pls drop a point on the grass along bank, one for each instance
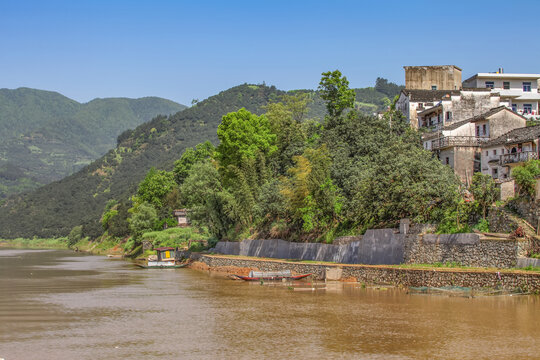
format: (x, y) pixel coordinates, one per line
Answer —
(36, 243)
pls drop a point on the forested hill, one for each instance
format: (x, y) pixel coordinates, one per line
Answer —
(81, 198)
(45, 136)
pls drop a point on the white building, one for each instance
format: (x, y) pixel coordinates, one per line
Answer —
(519, 91)
(513, 148)
(458, 145)
(432, 109)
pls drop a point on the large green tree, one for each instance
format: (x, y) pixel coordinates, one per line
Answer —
(190, 157)
(243, 134)
(334, 89)
(312, 199)
(143, 219)
(210, 204)
(155, 187)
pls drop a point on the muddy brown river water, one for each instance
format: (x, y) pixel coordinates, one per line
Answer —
(62, 305)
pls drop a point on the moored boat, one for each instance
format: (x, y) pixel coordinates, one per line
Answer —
(161, 266)
(271, 275)
(165, 258)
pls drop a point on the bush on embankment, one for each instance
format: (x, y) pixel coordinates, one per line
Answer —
(177, 237)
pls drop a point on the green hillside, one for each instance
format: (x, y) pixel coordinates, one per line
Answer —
(80, 198)
(45, 136)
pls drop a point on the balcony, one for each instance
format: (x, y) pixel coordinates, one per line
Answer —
(533, 114)
(518, 157)
(449, 141)
(432, 128)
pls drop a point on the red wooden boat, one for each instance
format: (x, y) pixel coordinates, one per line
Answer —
(271, 275)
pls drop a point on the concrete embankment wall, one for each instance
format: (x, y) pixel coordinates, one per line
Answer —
(383, 246)
(385, 275)
(388, 247)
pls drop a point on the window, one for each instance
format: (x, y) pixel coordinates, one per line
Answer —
(477, 130)
(434, 87)
(490, 84)
(527, 108)
(487, 153)
(514, 107)
(494, 152)
(484, 130)
(495, 173)
(447, 161)
(448, 115)
(506, 85)
(420, 105)
(527, 86)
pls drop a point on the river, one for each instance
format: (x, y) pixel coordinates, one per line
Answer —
(63, 305)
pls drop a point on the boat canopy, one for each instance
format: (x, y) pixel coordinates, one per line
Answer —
(269, 274)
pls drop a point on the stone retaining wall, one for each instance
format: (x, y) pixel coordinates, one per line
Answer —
(527, 209)
(387, 275)
(466, 250)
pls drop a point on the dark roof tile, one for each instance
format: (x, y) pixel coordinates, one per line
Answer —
(516, 136)
(480, 117)
(429, 95)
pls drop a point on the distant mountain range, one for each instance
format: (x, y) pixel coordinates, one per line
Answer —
(45, 136)
(79, 199)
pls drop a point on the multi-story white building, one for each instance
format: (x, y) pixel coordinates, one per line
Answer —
(458, 145)
(513, 148)
(518, 91)
(457, 121)
(433, 109)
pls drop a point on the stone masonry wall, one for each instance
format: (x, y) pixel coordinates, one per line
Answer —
(466, 250)
(529, 210)
(500, 221)
(387, 275)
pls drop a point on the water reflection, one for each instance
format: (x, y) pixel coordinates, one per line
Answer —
(60, 305)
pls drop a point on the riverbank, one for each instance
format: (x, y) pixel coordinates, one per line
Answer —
(20, 243)
(402, 276)
(95, 248)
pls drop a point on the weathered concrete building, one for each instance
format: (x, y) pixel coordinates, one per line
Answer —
(433, 109)
(440, 77)
(518, 91)
(458, 145)
(457, 121)
(513, 148)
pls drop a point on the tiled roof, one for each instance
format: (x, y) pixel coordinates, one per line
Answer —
(480, 117)
(419, 95)
(429, 95)
(516, 136)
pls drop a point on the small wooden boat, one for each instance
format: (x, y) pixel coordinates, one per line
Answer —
(161, 266)
(271, 275)
(164, 259)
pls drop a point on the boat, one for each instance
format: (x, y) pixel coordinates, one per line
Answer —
(271, 275)
(161, 266)
(165, 258)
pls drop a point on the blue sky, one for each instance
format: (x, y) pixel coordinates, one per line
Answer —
(183, 50)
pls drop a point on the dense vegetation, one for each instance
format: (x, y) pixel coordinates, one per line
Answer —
(282, 174)
(80, 199)
(45, 136)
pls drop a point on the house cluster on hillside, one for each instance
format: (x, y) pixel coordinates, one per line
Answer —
(478, 125)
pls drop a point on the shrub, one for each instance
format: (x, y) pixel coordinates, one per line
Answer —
(483, 225)
(75, 235)
(525, 176)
